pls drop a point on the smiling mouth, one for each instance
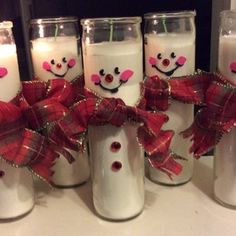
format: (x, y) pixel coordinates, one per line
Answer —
(170, 72)
(58, 75)
(113, 90)
(233, 71)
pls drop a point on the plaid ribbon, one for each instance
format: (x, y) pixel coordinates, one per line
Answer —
(94, 110)
(46, 102)
(215, 119)
(187, 89)
(22, 147)
(38, 104)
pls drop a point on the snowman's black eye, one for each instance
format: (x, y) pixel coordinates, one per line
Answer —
(159, 56)
(53, 61)
(102, 72)
(173, 55)
(64, 60)
(116, 70)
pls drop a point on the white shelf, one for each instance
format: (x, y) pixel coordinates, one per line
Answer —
(183, 210)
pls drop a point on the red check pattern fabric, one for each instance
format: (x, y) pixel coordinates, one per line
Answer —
(187, 89)
(23, 147)
(215, 119)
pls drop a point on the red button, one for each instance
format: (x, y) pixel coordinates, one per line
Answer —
(116, 166)
(115, 146)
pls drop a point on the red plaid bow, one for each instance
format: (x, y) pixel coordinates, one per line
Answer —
(39, 104)
(215, 119)
(94, 110)
(188, 89)
(23, 147)
(46, 102)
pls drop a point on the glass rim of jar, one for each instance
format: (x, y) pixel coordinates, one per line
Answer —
(170, 14)
(228, 13)
(111, 20)
(52, 20)
(6, 24)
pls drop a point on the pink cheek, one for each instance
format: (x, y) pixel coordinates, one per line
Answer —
(125, 75)
(96, 79)
(46, 66)
(71, 62)
(181, 60)
(3, 71)
(233, 66)
(152, 61)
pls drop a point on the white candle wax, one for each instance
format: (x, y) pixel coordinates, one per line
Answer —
(59, 57)
(56, 57)
(16, 191)
(225, 151)
(227, 57)
(16, 184)
(173, 55)
(118, 187)
(9, 72)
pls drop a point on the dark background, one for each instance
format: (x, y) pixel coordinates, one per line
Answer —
(10, 10)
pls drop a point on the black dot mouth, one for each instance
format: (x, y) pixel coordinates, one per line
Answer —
(233, 71)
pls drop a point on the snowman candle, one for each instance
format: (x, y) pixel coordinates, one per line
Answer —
(112, 55)
(55, 52)
(170, 52)
(225, 151)
(16, 184)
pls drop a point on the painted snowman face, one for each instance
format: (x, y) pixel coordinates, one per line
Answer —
(114, 69)
(167, 64)
(169, 54)
(111, 80)
(59, 68)
(57, 57)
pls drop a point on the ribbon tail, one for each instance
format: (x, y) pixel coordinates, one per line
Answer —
(204, 139)
(166, 163)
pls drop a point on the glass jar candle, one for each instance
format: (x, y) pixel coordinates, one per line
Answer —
(112, 55)
(169, 42)
(16, 184)
(56, 54)
(225, 151)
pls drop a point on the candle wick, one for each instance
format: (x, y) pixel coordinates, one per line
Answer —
(111, 31)
(56, 32)
(164, 25)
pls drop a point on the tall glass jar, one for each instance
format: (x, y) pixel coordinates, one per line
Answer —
(225, 151)
(56, 53)
(169, 52)
(16, 184)
(112, 55)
